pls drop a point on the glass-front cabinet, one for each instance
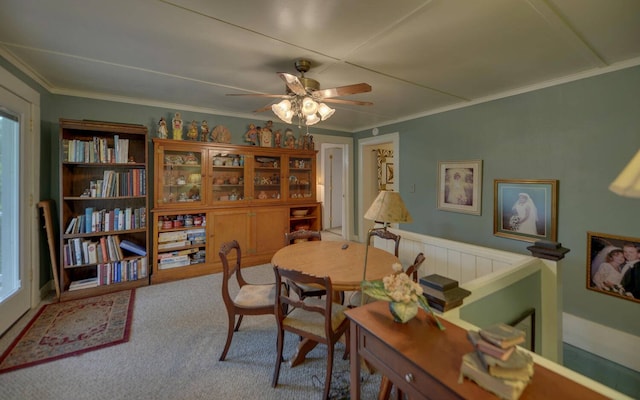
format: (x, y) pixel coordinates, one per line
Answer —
(178, 179)
(300, 179)
(267, 177)
(227, 176)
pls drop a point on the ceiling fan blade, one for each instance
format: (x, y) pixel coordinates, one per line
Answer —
(355, 102)
(293, 83)
(263, 109)
(342, 90)
(279, 96)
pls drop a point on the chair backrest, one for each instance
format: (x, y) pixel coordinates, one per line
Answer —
(385, 234)
(284, 301)
(291, 237)
(412, 271)
(228, 271)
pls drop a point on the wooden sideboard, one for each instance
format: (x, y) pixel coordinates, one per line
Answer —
(424, 361)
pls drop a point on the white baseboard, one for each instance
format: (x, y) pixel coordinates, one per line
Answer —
(601, 340)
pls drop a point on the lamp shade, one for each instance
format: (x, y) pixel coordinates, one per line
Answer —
(627, 184)
(388, 207)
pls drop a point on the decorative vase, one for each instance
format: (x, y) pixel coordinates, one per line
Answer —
(403, 312)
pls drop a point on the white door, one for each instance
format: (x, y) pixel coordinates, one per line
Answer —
(15, 271)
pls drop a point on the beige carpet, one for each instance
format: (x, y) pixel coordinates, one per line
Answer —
(177, 334)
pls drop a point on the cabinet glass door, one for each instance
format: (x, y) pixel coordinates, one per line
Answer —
(227, 176)
(300, 178)
(266, 178)
(180, 177)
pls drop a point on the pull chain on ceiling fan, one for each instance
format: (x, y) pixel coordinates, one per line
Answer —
(305, 100)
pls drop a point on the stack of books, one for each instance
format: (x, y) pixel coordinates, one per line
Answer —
(442, 293)
(497, 364)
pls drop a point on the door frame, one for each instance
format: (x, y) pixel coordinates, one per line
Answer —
(30, 215)
(346, 144)
(393, 138)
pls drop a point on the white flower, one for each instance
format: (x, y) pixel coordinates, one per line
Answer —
(396, 267)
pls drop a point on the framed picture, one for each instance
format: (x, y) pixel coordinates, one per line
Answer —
(613, 265)
(460, 186)
(525, 209)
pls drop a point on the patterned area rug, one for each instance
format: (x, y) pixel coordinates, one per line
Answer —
(70, 328)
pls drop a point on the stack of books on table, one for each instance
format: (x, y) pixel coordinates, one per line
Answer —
(442, 293)
(497, 364)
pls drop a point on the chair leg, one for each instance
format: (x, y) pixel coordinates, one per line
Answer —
(276, 370)
(385, 389)
(347, 346)
(327, 379)
(230, 331)
(238, 323)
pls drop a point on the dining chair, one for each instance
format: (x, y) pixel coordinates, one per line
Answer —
(383, 233)
(385, 384)
(292, 238)
(318, 320)
(251, 299)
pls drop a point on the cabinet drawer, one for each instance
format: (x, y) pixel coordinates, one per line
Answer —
(416, 383)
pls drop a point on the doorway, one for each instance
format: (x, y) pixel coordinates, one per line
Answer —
(368, 186)
(19, 159)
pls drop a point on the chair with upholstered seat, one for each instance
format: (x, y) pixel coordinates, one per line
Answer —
(317, 320)
(295, 237)
(251, 299)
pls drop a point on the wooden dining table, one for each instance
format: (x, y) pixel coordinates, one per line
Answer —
(342, 261)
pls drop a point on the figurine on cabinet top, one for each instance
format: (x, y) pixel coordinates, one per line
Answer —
(192, 133)
(177, 126)
(277, 138)
(266, 136)
(204, 131)
(289, 139)
(162, 129)
(252, 135)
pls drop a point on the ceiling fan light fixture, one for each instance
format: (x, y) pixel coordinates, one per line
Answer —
(312, 119)
(309, 107)
(325, 111)
(283, 110)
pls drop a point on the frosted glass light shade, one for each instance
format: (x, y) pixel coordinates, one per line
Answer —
(312, 119)
(283, 110)
(627, 184)
(309, 106)
(325, 111)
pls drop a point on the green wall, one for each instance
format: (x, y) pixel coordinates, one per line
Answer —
(582, 133)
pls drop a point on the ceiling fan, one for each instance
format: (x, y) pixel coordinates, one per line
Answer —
(304, 98)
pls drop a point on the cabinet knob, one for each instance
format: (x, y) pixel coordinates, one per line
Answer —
(408, 377)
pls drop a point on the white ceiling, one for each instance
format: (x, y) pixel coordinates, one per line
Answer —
(419, 56)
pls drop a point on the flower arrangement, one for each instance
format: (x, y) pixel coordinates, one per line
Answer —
(403, 294)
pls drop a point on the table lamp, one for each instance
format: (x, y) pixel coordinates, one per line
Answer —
(627, 184)
(386, 209)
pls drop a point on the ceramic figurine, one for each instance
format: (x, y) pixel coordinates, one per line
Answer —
(162, 129)
(192, 133)
(277, 138)
(177, 126)
(252, 135)
(204, 131)
(289, 139)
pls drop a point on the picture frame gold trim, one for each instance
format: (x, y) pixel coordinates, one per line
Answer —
(507, 206)
(598, 246)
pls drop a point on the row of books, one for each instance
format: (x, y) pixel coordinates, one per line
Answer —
(181, 258)
(115, 272)
(176, 239)
(96, 150)
(497, 364)
(107, 220)
(116, 184)
(78, 251)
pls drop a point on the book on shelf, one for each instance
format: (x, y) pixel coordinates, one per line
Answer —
(172, 236)
(519, 366)
(133, 247)
(473, 369)
(502, 335)
(83, 283)
(494, 351)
